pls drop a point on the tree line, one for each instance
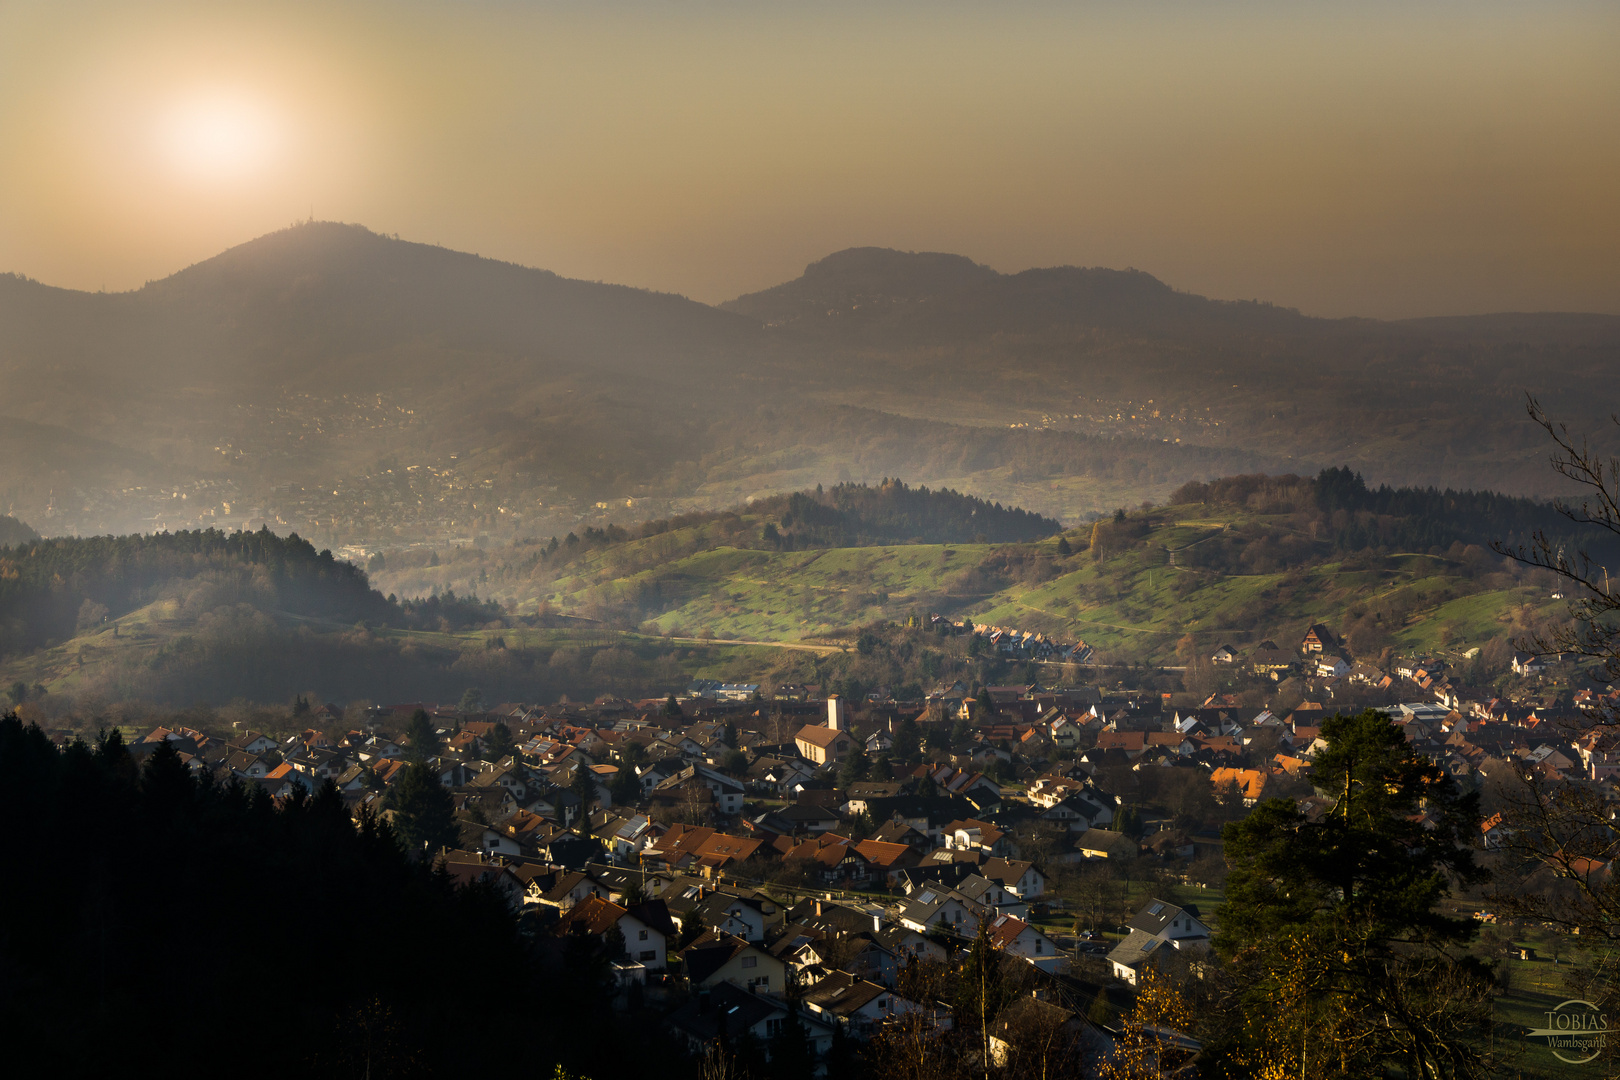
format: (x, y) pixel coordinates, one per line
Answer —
(169, 924)
(49, 588)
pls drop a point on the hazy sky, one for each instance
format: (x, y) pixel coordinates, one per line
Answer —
(1344, 158)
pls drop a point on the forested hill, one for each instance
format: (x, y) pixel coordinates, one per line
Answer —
(50, 588)
(846, 515)
(858, 515)
(1355, 517)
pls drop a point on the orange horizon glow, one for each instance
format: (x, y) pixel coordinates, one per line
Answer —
(1386, 160)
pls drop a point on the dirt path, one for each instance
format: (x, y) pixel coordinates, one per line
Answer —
(802, 645)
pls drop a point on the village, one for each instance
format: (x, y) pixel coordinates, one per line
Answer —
(742, 860)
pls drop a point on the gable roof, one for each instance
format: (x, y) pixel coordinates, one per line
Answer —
(1158, 914)
(882, 854)
(1137, 947)
(843, 994)
(711, 951)
(820, 736)
(1004, 930)
(593, 915)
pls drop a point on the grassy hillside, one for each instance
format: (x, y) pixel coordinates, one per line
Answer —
(1134, 595)
(161, 653)
(212, 617)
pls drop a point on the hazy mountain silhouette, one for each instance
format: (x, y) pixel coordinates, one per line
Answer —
(305, 374)
(294, 303)
(879, 294)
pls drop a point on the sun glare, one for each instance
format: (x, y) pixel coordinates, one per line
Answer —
(219, 137)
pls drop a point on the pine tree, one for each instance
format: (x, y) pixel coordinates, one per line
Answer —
(424, 812)
(626, 786)
(1347, 906)
(584, 788)
(422, 739)
(908, 742)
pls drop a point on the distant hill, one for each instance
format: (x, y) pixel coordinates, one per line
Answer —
(14, 532)
(290, 305)
(200, 616)
(894, 296)
(360, 389)
(1236, 560)
(851, 515)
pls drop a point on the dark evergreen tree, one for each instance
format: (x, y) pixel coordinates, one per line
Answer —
(421, 737)
(908, 742)
(424, 812)
(626, 786)
(1339, 917)
(583, 786)
(501, 743)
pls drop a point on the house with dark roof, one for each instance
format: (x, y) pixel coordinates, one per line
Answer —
(1015, 937)
(1159, 925)
(730, 1013)
(715, 958)
(938, 908)
(857, 1005)
(1106, 844)
(645, 927)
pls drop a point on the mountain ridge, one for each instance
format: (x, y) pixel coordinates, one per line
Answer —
(349, 385)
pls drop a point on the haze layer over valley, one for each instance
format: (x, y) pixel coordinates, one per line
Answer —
(366, 391)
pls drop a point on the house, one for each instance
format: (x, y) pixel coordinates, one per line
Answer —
(740, 915)
(971, 834)
(1317, 639)
(252, 742)
(1106, 844)
(990, 898)
(646, 927)
(1526, 664)
(1272, 660)
(571, 889)
(1064, 732)
(726, 792)
(909, 944)
(1251, 783)
(1157, 926)
(1017, 876)
(888, 859)
(861, 1007)
(730, 1013)
(1331, 666)
(1130, 743)
(1224, 655)
(715, 958)
(246, 766)
(1017, 938)
(823, 745)
(1049, 1032)
(940, 909)
(831, 859)
(697, 848)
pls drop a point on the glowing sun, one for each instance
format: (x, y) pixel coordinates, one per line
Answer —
(220, 136)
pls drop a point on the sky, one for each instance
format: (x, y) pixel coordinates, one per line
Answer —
(1382, 159)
